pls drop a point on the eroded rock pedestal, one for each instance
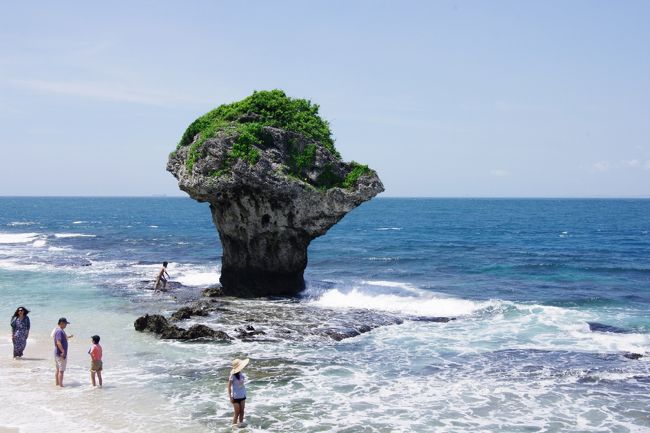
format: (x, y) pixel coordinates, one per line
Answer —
(268, 210)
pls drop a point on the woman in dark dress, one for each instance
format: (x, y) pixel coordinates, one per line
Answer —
(20, 330)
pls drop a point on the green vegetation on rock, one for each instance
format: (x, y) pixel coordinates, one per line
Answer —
(300, 161)
(242, 124)
(246, 118)
(357, 171)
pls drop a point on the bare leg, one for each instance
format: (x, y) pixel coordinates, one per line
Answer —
(242, 406)
(92, 378)
(237, 410)
(99, 376)
(61, 378)
(56, 376)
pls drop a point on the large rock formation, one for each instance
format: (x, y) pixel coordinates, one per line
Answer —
(268, 167)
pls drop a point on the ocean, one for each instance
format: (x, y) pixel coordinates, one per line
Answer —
(549, 300)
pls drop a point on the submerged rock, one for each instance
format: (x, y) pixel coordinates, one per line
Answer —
(268, 167)
(431, 319)
(248, 332)
(601, 327)
(191, 310)
(150, 285)
(631, 355)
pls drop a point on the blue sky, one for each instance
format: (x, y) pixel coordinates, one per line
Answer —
(442, 98)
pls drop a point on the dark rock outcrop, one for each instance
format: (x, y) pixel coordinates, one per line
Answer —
(248, 332)
(270, 196)
(212, 292)
(431, 319)
(191, 310)
(159, 325)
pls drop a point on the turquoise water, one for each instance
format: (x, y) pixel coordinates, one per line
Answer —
(523, 278)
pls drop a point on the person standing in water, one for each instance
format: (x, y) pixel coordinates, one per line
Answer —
(237, 389)
(20, 325)
(96, 366)
(160, 278)
(61, 350)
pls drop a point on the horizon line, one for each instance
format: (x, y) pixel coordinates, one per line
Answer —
(541, 197)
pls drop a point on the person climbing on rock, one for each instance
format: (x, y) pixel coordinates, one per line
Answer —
(160, 278)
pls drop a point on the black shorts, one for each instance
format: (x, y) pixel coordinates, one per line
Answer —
(238, 400)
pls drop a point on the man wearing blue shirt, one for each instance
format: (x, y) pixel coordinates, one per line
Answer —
(61, 350)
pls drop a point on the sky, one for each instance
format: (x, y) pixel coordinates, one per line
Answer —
(441, 98)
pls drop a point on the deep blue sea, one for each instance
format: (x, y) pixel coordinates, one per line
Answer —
(550, 297)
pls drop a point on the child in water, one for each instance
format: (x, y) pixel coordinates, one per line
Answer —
(96, 366)
(237, 389)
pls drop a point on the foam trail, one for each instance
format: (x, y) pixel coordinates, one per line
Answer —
(412, 305)
(17, 238)
(72, 235)
(59, 249)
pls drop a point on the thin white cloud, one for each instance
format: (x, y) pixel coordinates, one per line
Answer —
(499, 173)
(632, 164)
(104, 91)
(601, 166)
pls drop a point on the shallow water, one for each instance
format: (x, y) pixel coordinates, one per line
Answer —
(523, 278)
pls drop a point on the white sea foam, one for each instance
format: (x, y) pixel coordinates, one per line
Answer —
(198, 278)
(186, 274)
(79, 222)
(15, 266)
(423, 305)
(39, 243)
(527, 326)
(383, 259)
(17, 238)
(73, 235)
(20, 223)
(59, 249)
(397, 284)
(382, 229)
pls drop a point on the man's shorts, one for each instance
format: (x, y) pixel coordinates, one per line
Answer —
(60, 363)
(96, 365)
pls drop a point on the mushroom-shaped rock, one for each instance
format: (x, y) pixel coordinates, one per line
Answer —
(274, 180)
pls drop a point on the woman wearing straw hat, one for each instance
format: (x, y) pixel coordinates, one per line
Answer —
(237, 389)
